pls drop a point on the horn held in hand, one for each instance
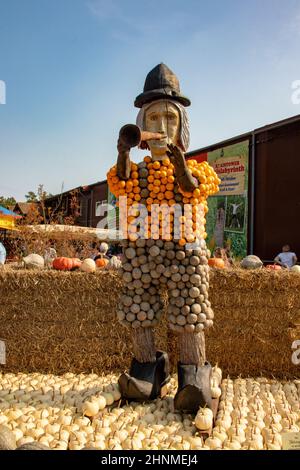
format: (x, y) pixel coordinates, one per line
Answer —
(132, 136)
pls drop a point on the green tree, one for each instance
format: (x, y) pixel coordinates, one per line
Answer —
(7, 201)
(31, 197)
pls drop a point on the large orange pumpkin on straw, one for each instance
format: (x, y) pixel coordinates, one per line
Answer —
(101, 262)
(216, 263)
(66, 264)
(274, 267)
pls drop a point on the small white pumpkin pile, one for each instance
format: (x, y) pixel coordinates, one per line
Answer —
(215, 382)
(204, 417)
(51, 409)
(253, 414)
(83, 411)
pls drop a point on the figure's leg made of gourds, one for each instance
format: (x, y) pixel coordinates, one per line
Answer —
(189, 313)
(139, 321)
(141, 310)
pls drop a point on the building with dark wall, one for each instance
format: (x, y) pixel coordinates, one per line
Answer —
(82, 205)
(273, 190)
(276, 201)
(91, 198)
(24, 208)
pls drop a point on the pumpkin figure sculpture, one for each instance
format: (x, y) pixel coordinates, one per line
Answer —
(169, 195)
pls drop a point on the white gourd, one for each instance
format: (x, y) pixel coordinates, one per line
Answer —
(90, 408)
(273, 446)
(219, 433)
(88, 266)
(101, 402)
(216, 371)
(213, 443)
(216, 392)
(204, 419)
(109, 398)
(196, 442)
(232, 444)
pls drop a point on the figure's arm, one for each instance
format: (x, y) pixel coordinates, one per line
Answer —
(130, 136)
(123, 162)
(295, 259)
(186, 181)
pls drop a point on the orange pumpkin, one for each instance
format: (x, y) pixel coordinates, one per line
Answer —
(274, 267)
(101, 262)
(216, 263)
(66, 264)
(76, 263)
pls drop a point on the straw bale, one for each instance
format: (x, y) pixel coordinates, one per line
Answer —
(54, 322)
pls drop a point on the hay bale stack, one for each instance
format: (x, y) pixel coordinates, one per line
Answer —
(60, 321)
(54, 322)
(256, 320)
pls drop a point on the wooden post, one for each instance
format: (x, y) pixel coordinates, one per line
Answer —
(192, 348)
(144, 344)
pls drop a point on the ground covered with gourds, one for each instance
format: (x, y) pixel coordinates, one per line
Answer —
(84, 411)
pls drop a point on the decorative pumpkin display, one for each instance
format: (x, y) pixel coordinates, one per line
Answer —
(296, 268)
(42, 412)
(88, 265)
(251, 262)
(102, 262)
(66, 264)
(274, 267)
(216, 263)
(34, 261)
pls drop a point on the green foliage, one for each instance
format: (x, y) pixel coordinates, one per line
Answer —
(39, 196)
(7, 201)
(31, 197)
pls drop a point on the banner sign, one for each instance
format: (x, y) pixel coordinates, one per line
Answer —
(226, 221)
(7, 222)
(291, 441)
(231, 171)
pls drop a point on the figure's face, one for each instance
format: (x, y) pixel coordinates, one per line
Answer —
(162, 117)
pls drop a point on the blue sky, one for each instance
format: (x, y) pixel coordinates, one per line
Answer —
(72, 69)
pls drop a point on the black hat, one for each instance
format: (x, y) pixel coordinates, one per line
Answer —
(161, 83)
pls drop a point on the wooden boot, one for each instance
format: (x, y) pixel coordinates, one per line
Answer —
(149, 371)
(194, 374)
(146, 380)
